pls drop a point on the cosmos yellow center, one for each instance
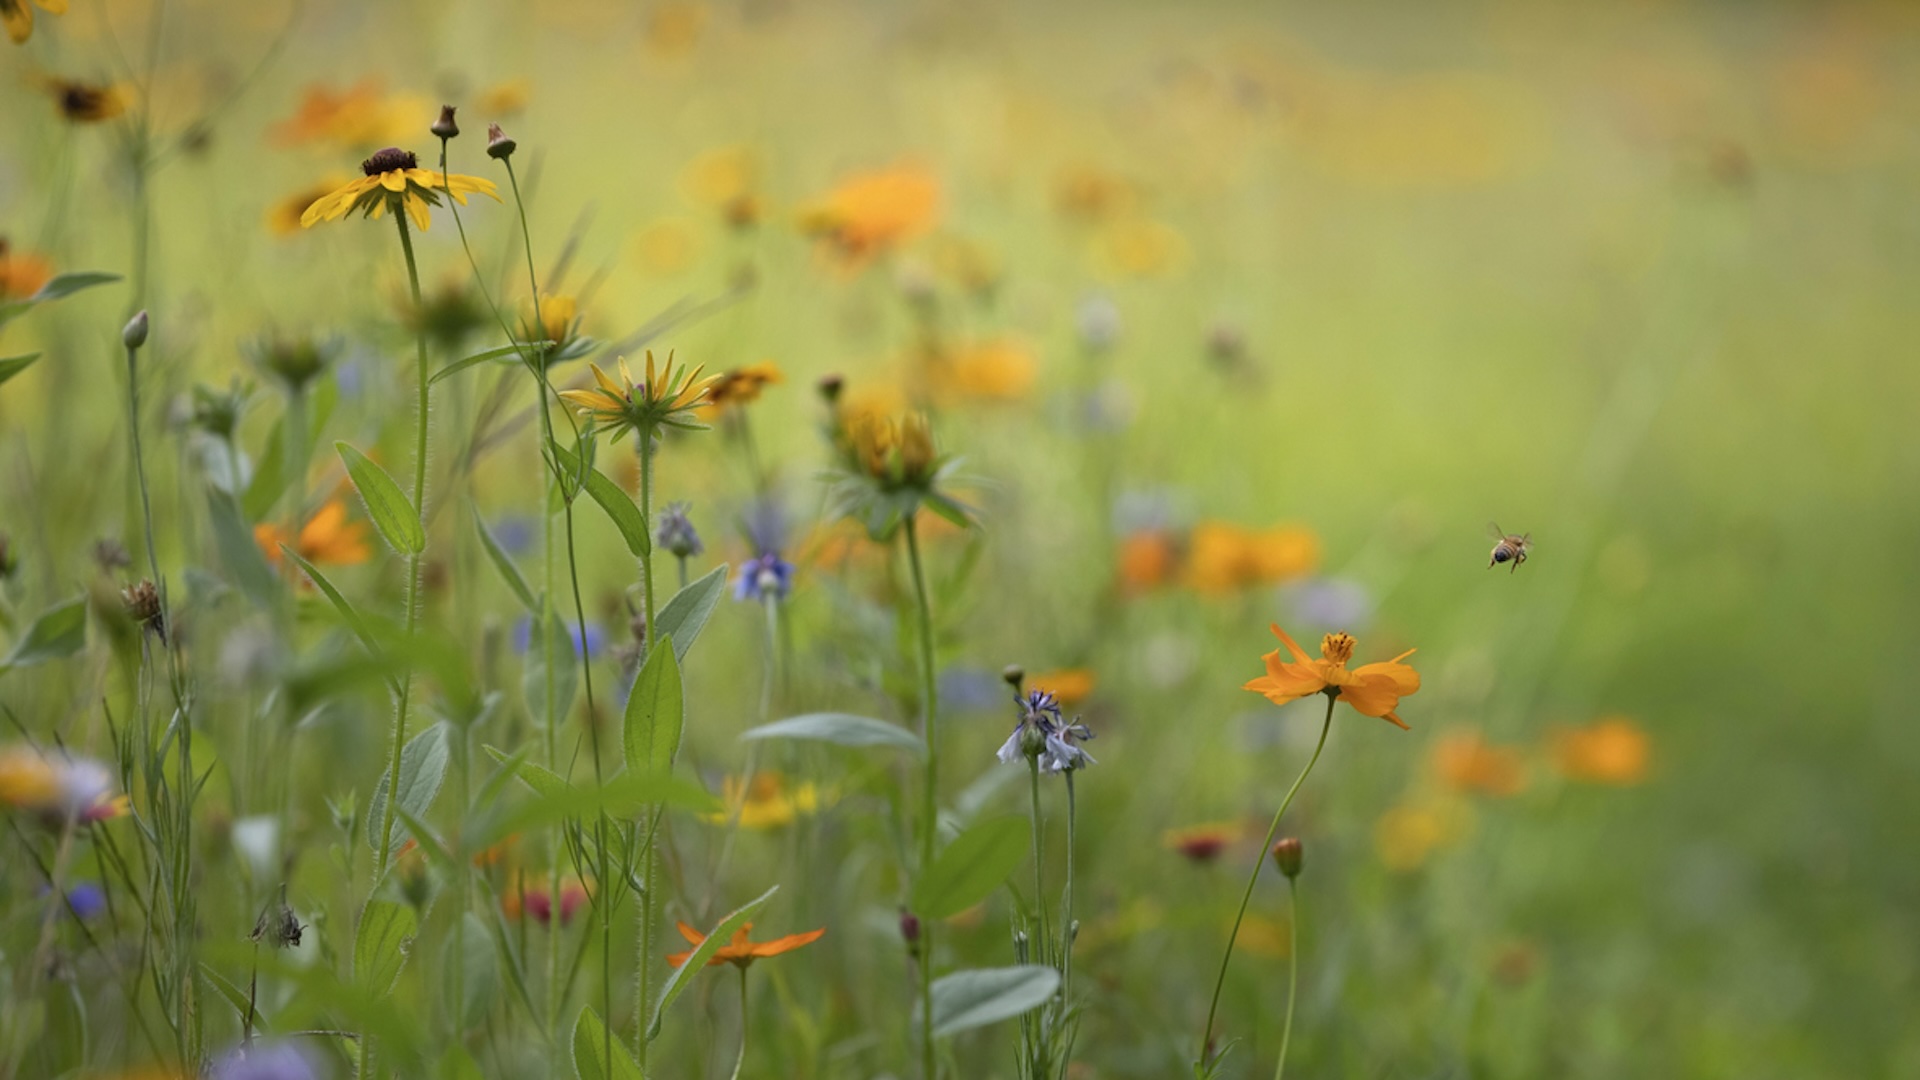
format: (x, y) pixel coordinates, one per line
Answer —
(1337, 648)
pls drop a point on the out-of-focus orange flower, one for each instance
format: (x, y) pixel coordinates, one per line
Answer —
(1407, 835)
(1466, 762)
(1262, 936)
(1070, 685)
(359, 117)
(328, 538)
(1202, 843)
(1611, 750)
(837, 544)
(1139, 247)
(666, 246)
(1372, 689)
(675, 28)
(999, 370)
(1147, 559)
(504, 99)
(1222, 557)
(874, 212)
(740, 952)
(22, 273)
(718, 176)
(283, 217)
(533, 899)
(740, 387)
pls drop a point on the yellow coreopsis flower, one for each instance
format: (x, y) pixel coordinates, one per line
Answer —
(394, 181)
(741, 386)
(665, 398)
(18, 17)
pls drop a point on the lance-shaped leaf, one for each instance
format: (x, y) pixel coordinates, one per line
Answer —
(721, 933)
(656, 712)
(389, 508)
(966, 1000)
(971, 867)
(14, 365)
(503, 562)
(381, 945)
(501, 353)
(620, 509)
(60, 631)
(591, 1046)
(841, 729)
(423, 766)
(240, 555)
(686, 614)
(64, 285)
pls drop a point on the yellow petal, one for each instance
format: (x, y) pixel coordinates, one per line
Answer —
(395, 180)
(417, 210)
(53, 7)
(19, 22)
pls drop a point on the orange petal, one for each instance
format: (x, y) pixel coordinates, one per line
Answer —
(788, 943)
(1405, 679)
(1374, 696)
(693, 936)
(676, 959)
(1293, 646)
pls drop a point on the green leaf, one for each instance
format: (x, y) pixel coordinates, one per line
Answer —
(842, 729)
(240, 554)
(64, 285)
(656, 713)
(60, 631)
(472, 971)
(466, 362)
(970, 868)
(457, 1064)
(623, 797)
(503, 562)
(14, 365)
(423, 765)
(340, 604)
(718, 936)
(686, 614)
(542, 780)
(620, 509)
(273, 474)
(10, 312)
(381, 945)
(590, 1045)
(966, 1000)
(550, 647)
(387, 505)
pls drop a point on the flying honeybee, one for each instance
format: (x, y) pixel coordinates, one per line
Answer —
(1511, 548)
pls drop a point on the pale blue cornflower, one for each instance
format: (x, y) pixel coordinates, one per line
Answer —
(1043, 734)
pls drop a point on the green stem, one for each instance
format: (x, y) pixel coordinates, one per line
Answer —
(1039, 886)
(745, 1024)
(1067, 931)
(1260, 859)
(1293, 974)
(929, 820)
(649, 902)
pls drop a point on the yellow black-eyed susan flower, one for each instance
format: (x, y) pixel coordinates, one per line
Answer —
(667, 398)
(18, 17)
(86, 103)
(394, 181)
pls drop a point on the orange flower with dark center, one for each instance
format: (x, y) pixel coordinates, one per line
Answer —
(327, 539)
(740, 952)
(1372, 689)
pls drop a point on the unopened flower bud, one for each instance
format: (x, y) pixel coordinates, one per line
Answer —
(445, 128)
(830, 387)
(909, 928)
(1287, 854)
(135, 335)
(1014, 675)
(499, 145)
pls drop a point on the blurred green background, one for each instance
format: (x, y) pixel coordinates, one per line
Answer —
(1636, 277)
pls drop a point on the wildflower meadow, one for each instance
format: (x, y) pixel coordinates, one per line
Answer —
(740, 538)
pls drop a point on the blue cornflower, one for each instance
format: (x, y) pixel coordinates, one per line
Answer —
(765, 575)
(264, 1061)
(676, 532)
(86, 899)
(589, 644)
(1063, 753)
(1043, 734)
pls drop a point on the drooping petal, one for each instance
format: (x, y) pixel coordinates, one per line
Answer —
(1405, 679)
(19, 20)
(1375, 695)
(788, 943)
(53, 7)
(1298, 679)
(417, 210)
(1266, 686)
(693, 936)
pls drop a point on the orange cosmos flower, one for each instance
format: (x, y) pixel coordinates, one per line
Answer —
(327, 539)
(1612, 750)
(740, 952)
(999, 370)
(1070, 686)
(1147, 560)
(1466, 762)
(873, 212)
(22, 273)
(1372, 689)
(1223, 556)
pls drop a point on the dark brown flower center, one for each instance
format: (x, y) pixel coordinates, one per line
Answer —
(81, 100)
(386, 161)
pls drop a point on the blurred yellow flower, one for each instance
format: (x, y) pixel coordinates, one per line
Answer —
(283, 217)
(86, 103)
(768, 802)
(1070, 685)
(1407, 835)
(718, 176)
(675, 28)
(504, 99)
(1611, 750)
(327, 539)
(27, 779)
(22, 273)
(741, 387)
(874, 212)
(1222, 557)
(356, 118)
(394, 181)
(894, 449)
(666, 246)
(998, 370)
(1089, 193)
(1466, 762)
(557, 321)
(18, 17)
(1372, 689)
(1140, 247)
(1263, 936)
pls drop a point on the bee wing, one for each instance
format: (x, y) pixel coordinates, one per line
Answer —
(1493, 530)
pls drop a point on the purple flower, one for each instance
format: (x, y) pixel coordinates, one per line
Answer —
(589, 645)
(514, 532)
(264, 1061)
(765, 575)
(1043, 734)
(676, 532)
